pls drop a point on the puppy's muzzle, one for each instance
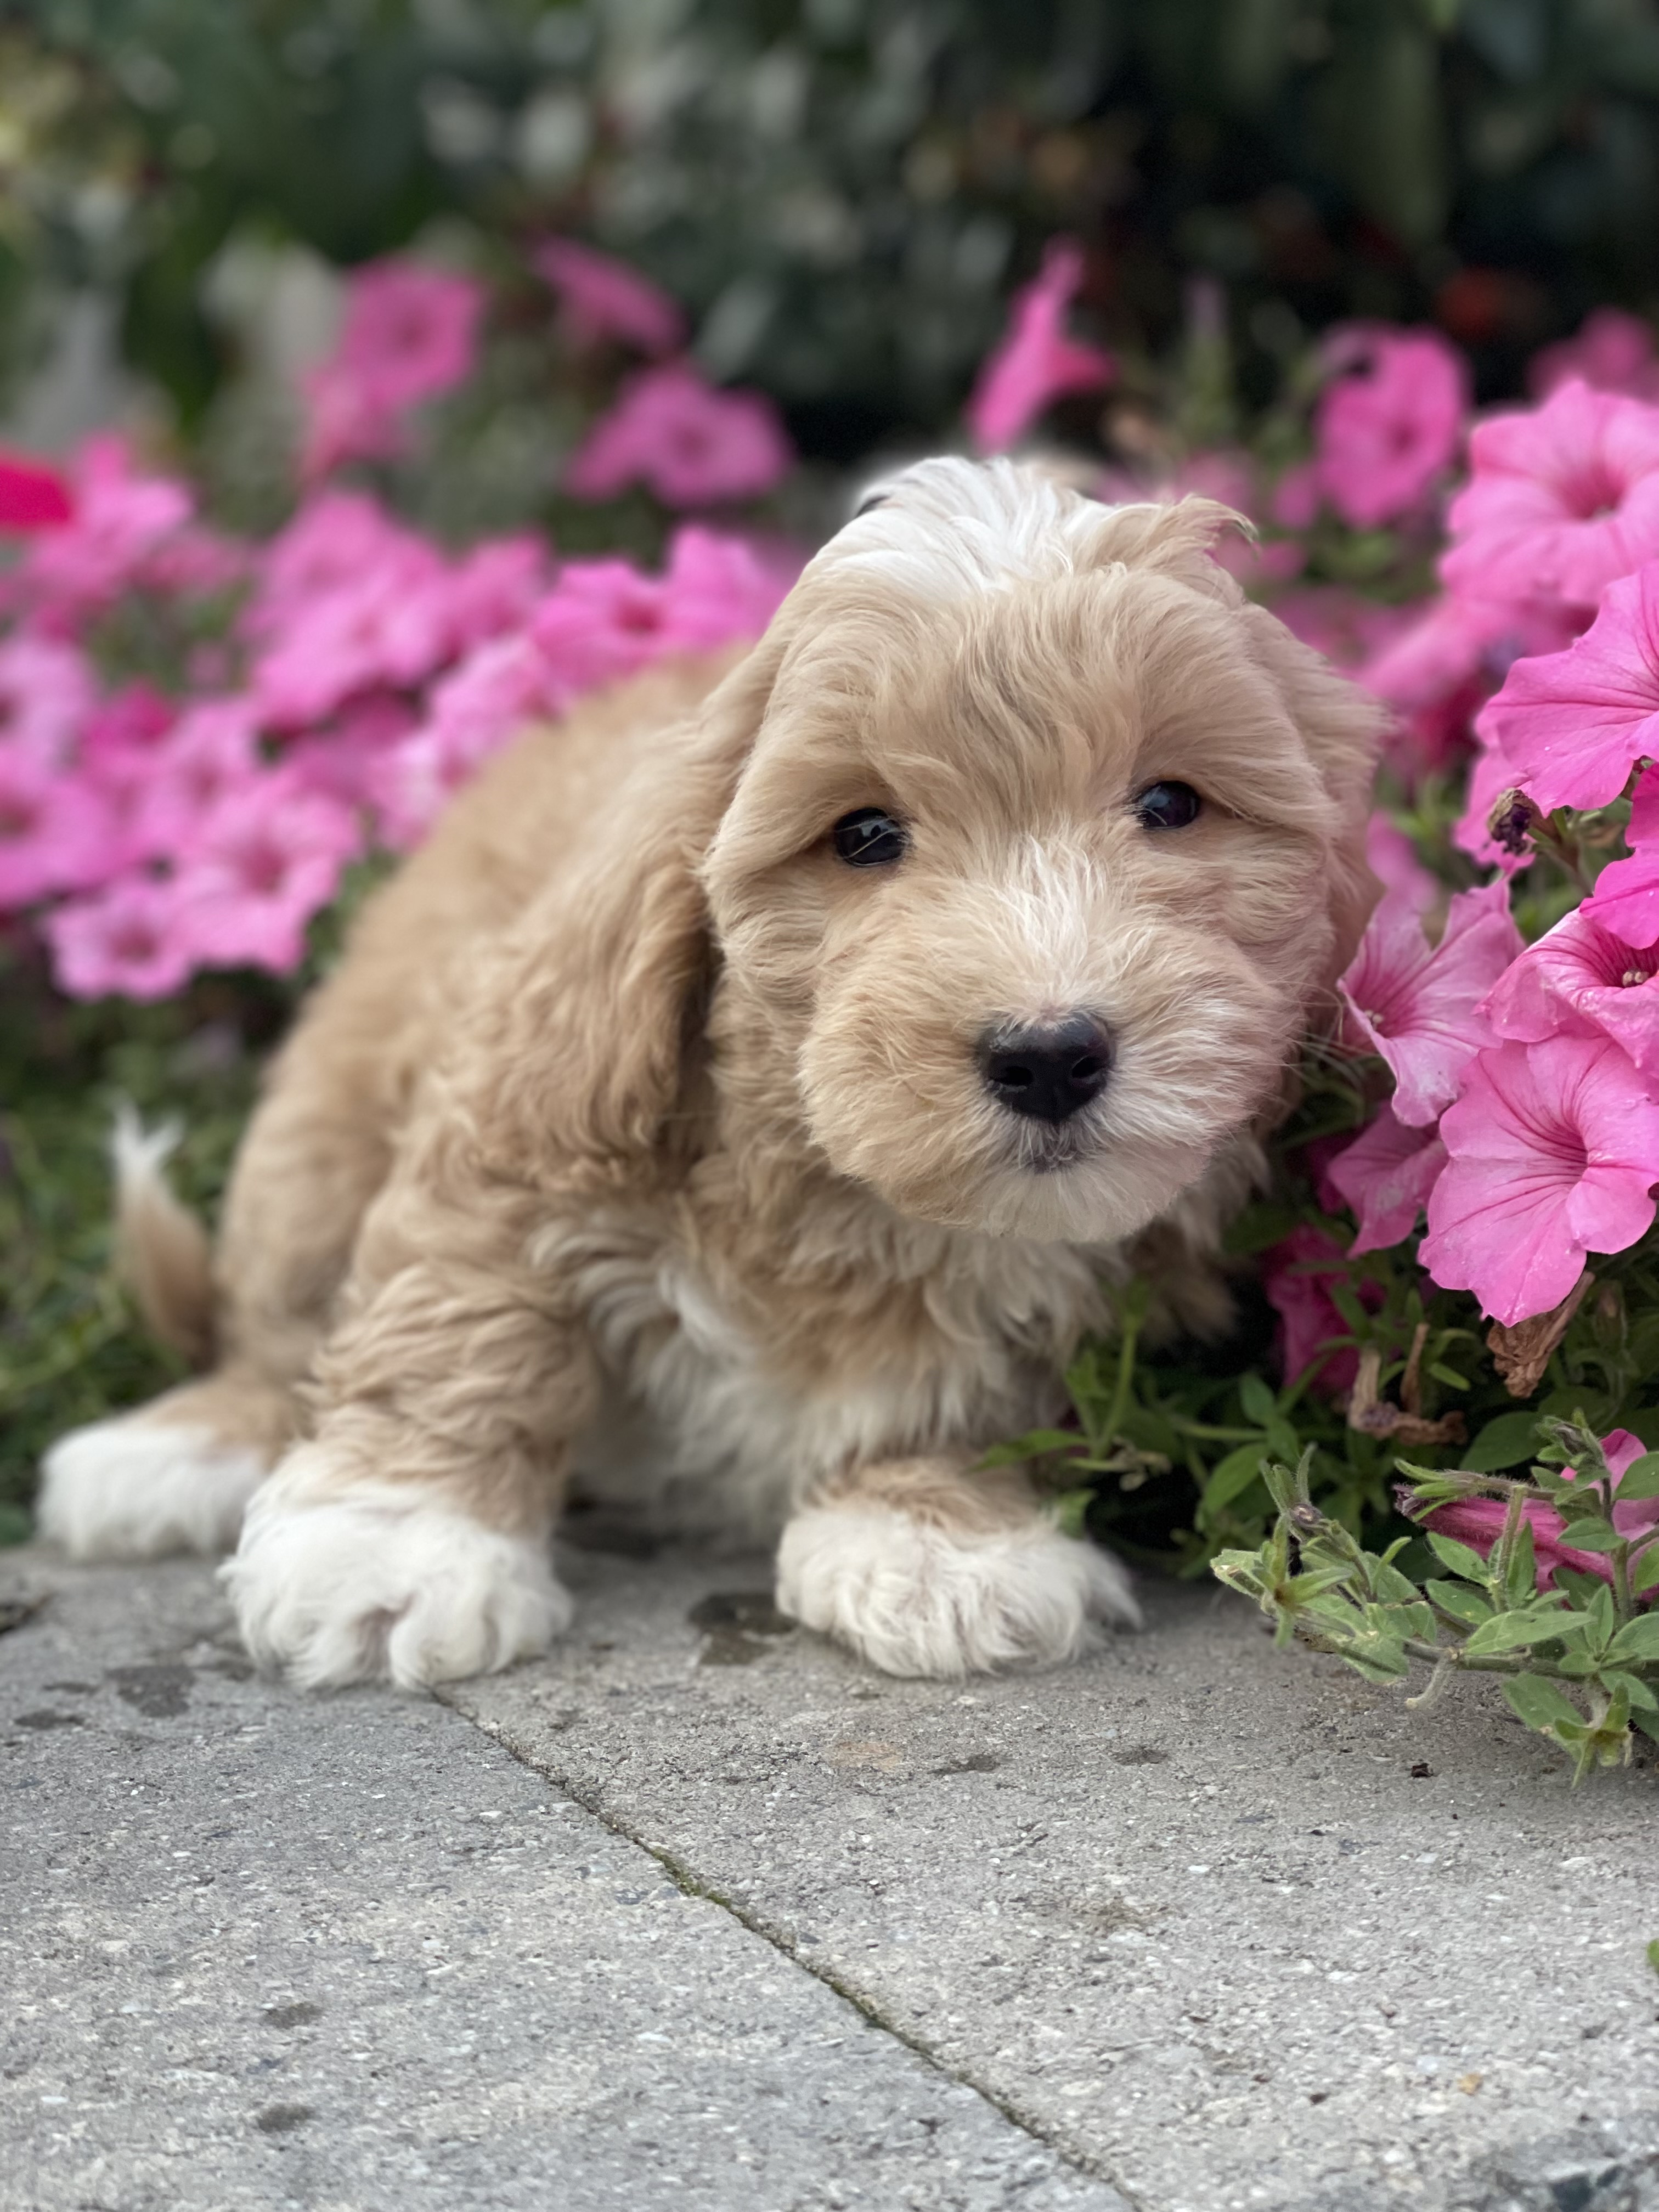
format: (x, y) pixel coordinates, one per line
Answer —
(1047, 1072)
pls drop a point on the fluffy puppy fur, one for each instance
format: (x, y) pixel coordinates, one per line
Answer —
(642, 1141)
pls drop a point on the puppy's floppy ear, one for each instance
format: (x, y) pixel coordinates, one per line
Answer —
(580, 1050)
(1343, 728)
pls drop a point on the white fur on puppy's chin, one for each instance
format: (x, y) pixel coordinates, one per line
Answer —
(137, 1489)
(371, 1584)
(913, 1600)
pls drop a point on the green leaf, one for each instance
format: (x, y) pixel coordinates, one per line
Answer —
(1520, 1567)
(1640, 1479)
(1637, 1640)
(1652, 1954)
(1600, 1620)
(1258, 1401)
(1512, 1631)
(1449, 1376)
(1591, 1534)
(1460, 1559)
(1463, 1603)
(1034, 1444)
(1638, 1693)
(1231, 1477)
(1502, 1443)
(1540, 1704)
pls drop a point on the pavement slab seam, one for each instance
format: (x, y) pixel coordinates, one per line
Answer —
(691, 1884)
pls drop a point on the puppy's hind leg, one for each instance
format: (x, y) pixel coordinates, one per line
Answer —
(409, 1538)
(176, 1476)
(923, 1567)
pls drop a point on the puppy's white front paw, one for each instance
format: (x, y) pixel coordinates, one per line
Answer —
(913, 1599)
(136, 1489)
(373, 1584)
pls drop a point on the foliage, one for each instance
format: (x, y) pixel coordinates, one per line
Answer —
(1475, 1615)
(843, 190)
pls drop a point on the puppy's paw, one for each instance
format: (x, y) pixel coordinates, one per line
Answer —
(373, 1584)
(136, 1490)
(913, 1599)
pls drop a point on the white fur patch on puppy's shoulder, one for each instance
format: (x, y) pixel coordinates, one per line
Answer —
(913, 1599)
(376, 1583)
(137, 1489)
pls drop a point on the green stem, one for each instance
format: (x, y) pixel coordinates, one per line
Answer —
(1622, 1602)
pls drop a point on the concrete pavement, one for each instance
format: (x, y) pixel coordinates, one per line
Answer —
(698, 1914)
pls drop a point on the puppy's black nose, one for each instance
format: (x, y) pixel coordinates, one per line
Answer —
(1047, 1072)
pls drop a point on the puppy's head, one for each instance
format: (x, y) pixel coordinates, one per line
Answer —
(1044, 852)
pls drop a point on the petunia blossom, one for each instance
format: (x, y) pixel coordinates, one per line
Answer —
(54, 831)
(265, 860)
(1562, 499)
(32, 494)
(1296, 1276)
(1581, 977)
(409, 334)
(686, 442)
(1552, 1151)
(1625, 900)
(125, 939)
(1385, 1176)
(1574, 723)
(1414, 1003)
(1036, 361)
(604, 299)
(1479, 1523)
(1386, 431)
(1612, 351)
(123, 517)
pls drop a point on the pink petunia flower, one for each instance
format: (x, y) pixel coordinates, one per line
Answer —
(211, 753)
(1562, 499)
(1553, 1150)
(388, 625)
(1414, 1004)
(264, 861)
(47, 692)
(487, 699)
(126, 938)
(1612, 352)
(1479, 1522)
(1625, 900)
(1580, 977)
(1386, 433)
(32, 494)
(604, 299)
(1296, 1276)
(689, 444)
(1036, 362)
(1392, 858)
(1385, 1177)
(121, 522)
(333, 538)
(1574, 723)
(54, 831)
(409, 334)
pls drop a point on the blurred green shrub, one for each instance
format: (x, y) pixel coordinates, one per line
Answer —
(842, 190)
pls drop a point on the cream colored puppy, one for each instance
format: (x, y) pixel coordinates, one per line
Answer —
(740, 1102)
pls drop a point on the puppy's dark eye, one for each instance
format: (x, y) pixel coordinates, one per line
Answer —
(1166, 805)
(869, 838)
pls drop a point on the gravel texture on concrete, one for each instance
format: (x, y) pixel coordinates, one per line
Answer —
(263, 1951)
(698, 1913)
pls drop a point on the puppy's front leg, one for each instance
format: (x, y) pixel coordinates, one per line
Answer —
(409, 1537)
(925, 1567)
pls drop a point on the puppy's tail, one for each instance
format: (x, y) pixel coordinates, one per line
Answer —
(161, 1250)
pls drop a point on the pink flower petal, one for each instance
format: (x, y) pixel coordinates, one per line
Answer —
(1385, 1176)
(1415, 1005)
(1037, 363)
(1553, 1149)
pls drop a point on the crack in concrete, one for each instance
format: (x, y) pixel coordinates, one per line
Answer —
(690, 1884)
